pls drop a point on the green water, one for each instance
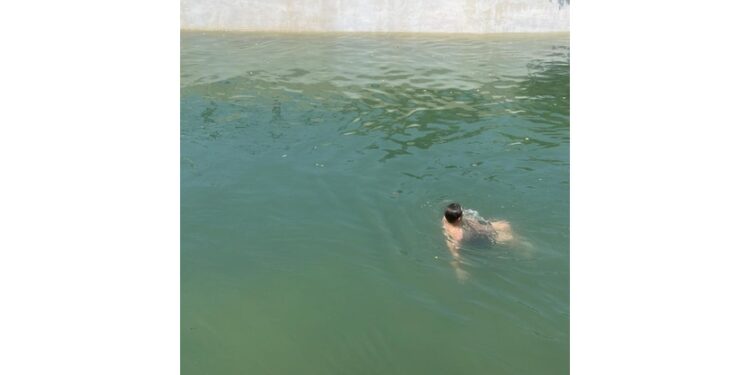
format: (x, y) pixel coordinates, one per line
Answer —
(314, 170)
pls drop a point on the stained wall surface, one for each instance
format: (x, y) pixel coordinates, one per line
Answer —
(449, 16)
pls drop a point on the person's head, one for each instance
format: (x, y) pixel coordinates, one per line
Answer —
(453, 213)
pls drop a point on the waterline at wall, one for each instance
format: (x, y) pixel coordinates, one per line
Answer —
(447, 16)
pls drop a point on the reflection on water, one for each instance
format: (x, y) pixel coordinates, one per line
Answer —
(404, 90)
(314, 168)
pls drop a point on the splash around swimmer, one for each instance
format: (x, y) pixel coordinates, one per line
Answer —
(463, 226)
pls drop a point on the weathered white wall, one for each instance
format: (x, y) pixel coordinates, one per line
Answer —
(452, 16)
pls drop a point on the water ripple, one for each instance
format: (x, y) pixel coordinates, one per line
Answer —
(314, 170)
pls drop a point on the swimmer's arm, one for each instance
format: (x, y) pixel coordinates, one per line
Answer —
(453, 247)
(461, 275)
(452, 244)
(503, 231)
(501, 225)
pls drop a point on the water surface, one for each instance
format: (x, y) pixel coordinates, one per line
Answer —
(314, 169)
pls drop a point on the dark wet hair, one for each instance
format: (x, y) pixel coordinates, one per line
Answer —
(453, 212)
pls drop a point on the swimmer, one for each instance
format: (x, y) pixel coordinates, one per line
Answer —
(459, 228)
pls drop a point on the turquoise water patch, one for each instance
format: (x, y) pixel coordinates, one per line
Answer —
(314, 170)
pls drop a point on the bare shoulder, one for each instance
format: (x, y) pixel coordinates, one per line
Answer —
(452, 232)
